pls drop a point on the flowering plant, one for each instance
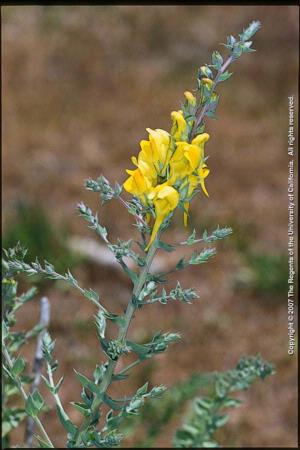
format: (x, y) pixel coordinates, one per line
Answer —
(171, 168)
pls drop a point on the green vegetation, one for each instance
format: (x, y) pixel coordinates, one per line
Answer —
(32, 226)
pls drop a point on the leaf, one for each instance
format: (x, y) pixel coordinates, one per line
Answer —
(132, 275)
(157, 391)
(231, 40)
(99, 373)
(101, 323)
(34, 404)
(149, 289)
(18, 366)
(191, 239)
(92, 295)
(220, 420)
(237, 51)
(49, 386)
(211, 115)
(28, 295)
(82, 408)
(252, 28)
(5, 331)
(181, 264)
(119, 377)
(246, 47)
(232, 403)
(224, 76)
(203, 256)
(142, 390)
(87, 383)
(47, 347)
(65, 421)
(11, 418)
(118, 189)
(167, 247)
(113, 404)
(205, 403)
(140, 350)
(42, 442)
(119, 320)
(58, 385)
(217, 60)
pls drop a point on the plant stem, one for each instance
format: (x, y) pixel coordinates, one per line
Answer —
(37, 364)
(24, 395)
(203, 111)
(130, 366)
(121, 337)
(155, 300)
(55, 395)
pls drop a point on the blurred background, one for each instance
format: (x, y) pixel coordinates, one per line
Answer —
(80, 85)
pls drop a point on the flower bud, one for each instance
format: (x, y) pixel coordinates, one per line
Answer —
(205, 71)
(191, 99)
(208, 82)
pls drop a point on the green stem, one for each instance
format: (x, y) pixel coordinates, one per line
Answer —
(130, 366)
(203, 111)
(24, 395)
(121, 337)
(55, 395)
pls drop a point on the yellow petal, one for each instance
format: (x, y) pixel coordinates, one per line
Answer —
(146, 161)
(137, 184)
(128, 184)
(185, 160)
(145, 146)
(203, 173)
(185, 214)
(160, 152)
(202, 184)
(159, 220)
(207, 81)
(164, 135)
(179, 125)
(193, 155)
(190, 98)
(165, 200)
(201, 139)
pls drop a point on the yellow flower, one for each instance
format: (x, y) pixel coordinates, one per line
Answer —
(184, 161)
(165, 199)
(154, 155)
(160, 146)
(179, 126)
(200, 140)
(187, 157)
(145, 162)
(194, 181)
(207, 81)
(137, 184)
(203, 172)
(188, 161)
(205, 72)
(190, 98)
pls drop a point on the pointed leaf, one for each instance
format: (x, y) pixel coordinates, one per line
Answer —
(87, 383)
